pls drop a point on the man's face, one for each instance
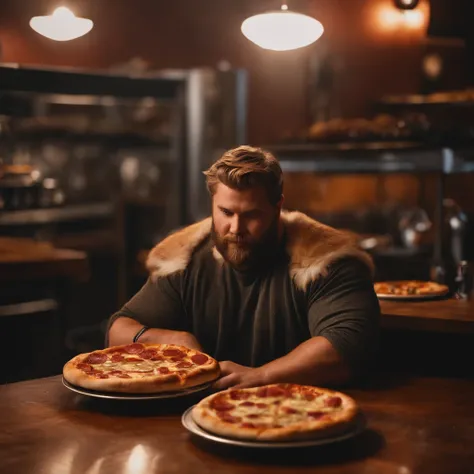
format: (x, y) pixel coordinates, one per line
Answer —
(244, 224)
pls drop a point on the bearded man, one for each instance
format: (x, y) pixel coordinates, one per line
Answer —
(275, 296)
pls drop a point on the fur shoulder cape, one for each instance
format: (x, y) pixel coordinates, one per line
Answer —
(312, 246)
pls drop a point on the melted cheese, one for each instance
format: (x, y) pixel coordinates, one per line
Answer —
(139, 369)
(255, 414)
(274, 414)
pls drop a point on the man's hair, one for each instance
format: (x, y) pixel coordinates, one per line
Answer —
(245, 167)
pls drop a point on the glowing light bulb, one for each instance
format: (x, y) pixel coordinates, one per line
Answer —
(282, 30)
(62, 25)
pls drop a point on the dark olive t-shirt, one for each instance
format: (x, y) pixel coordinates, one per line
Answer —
(254, 317)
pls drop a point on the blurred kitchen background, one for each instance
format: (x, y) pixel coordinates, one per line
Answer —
(103, 140)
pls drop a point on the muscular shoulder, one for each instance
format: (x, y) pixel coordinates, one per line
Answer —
(344, 279)
(312, 248)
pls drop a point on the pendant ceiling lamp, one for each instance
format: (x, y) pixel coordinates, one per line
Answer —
(406, 4)
(62, 25)
(282, 30)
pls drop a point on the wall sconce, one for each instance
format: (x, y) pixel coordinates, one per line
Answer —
(401, 15)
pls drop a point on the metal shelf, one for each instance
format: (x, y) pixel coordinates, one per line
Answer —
(59, 214)
(359, 160)
(14, 77)
(363, 159)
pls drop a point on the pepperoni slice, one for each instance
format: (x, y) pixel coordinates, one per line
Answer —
(262, 392)
(148, 354)
(199, 359)
(135, 348)
(220, 405)
(174, 353)
(184, 365)
(289, 410)
(247, 404)
(228, 418)
(275, 392)
(133, 359)
(116, 350)
(333, 402)
(117, 357)
(262, 405)
(248, 425)
(96, 358)
(120, 374)
(310, 396)
(239, 395)
(253, 415)
(315, 414)
(101, 375)
(85, 367)
(164, 370)
(157, 358)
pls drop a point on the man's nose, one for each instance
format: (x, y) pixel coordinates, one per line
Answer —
(236, 224)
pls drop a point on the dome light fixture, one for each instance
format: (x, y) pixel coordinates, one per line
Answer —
(406, 4)
(282, 30)
(62, 25)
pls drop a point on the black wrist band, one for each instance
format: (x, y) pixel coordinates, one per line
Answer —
(139, 333)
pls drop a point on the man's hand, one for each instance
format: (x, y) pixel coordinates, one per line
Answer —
(239, 376)
(313, 362)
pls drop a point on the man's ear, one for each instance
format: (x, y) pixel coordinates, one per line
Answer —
(280, 202)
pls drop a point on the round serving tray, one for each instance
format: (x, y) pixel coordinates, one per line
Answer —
(134, 396)
(194, 428)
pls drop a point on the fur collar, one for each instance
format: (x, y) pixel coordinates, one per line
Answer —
(312, 246)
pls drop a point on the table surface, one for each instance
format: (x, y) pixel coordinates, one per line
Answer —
(22, 259)
(441, 315)
(415, 425)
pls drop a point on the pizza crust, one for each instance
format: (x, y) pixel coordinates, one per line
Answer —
(333, 423)
(153, 383)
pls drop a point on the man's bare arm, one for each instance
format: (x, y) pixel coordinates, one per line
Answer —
(124, 329)
(158, 305)
(314, 362)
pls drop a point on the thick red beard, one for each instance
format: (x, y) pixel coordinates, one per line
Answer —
(244, 254)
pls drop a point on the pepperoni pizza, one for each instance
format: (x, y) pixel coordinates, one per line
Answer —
(276, 412)
(141, 368)
(409, 288)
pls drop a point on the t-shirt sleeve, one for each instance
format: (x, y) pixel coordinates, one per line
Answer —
(158, 304)
(344, 308)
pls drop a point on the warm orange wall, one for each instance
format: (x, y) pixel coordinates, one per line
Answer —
(186, 33)
(374, 59)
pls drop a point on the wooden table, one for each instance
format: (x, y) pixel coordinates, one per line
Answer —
(25, 259)
(414, 426)
(36, 281)
(444, 315)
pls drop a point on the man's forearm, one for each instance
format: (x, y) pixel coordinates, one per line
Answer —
(124, 329)
(314, 362)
